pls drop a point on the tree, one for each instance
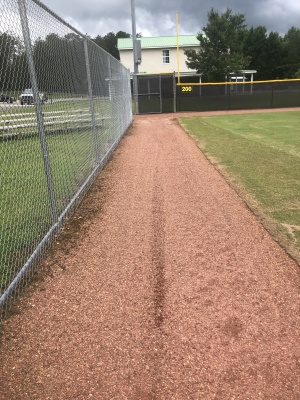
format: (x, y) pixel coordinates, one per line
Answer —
(13, 70)
(221, 46)
(275, 57)
(60, 64)
(109, 42)
(292, 47)
(255, 46)
(266, 52)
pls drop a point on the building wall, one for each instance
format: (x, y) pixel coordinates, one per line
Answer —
(152, 60)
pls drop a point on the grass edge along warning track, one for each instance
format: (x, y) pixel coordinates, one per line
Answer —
(259, 155)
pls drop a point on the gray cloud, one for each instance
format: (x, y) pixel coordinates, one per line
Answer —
(158, 17)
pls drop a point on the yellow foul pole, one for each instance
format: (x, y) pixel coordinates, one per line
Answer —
(177, 45)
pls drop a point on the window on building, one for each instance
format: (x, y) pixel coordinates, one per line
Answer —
(166, 56)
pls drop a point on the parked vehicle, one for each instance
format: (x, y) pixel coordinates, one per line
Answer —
(27, 97)
(5, 98)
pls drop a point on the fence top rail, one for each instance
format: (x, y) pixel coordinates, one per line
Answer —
(234, 82)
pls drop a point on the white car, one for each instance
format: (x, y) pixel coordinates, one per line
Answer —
(27, 97)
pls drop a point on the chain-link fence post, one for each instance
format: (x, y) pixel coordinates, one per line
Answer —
(38, 108)
(112, 98)
(174, 92)
(92, 108)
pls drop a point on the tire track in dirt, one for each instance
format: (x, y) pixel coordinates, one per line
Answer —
(158, 247)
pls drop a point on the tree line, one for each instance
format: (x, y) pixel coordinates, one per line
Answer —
(227, 46)
(59, 61)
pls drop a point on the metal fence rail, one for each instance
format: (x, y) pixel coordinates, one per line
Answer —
(55, 137)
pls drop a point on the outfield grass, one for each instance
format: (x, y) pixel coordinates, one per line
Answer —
(261, 153)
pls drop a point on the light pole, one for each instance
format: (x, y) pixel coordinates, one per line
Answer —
(134, 41)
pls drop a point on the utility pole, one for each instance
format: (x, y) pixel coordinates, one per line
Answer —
(135, 57)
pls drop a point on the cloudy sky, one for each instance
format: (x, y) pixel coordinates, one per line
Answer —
(158, 17)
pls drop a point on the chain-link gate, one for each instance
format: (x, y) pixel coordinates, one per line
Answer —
(149, 94)
(156, 93)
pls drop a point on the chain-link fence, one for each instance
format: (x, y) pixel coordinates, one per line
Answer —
(65, 104)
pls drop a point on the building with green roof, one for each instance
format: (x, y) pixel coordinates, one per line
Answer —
(159, 54)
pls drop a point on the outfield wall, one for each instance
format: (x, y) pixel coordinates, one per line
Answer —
(237, 95)
(162, 93)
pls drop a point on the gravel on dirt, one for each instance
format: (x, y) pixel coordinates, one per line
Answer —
(170, 289)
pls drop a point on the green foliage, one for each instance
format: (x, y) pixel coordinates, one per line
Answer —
(227, 45)
(267, 53)
(292, 47)
(54, 58)
(13, 71)
(221, 46)
(109, 42)
(275, 57)
(255, 46)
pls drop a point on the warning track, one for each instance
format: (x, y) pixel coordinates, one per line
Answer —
(170, 289)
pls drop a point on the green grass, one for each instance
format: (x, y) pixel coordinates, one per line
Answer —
(25, 214)
(261, 153)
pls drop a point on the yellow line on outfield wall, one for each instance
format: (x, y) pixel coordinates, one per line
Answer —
(234, 82)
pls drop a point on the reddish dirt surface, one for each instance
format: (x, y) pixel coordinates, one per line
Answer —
(164, 286)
